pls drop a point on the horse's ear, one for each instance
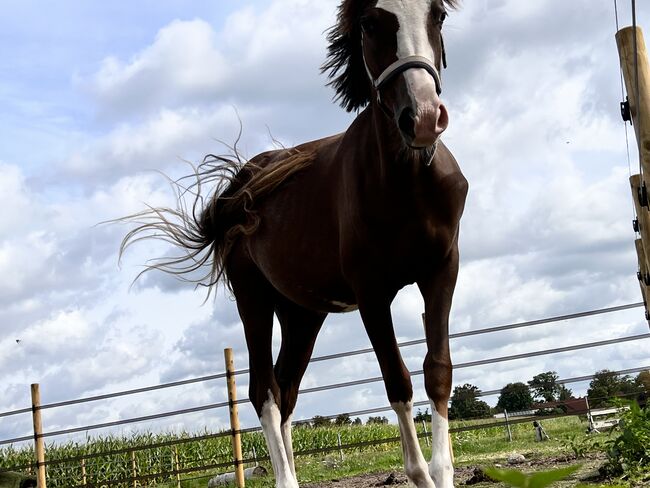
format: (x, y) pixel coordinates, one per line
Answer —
(344, 65)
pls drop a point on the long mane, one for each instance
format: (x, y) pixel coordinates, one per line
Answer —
(344, 64)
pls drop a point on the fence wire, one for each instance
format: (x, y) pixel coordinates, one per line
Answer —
(227, 433)
(326, 387)
(327, 357)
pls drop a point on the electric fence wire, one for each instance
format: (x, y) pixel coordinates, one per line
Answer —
(551, 319)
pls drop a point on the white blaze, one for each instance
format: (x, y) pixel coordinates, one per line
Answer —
(412, 36)
(412, 39)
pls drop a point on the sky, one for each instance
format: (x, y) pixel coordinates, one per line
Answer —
(97, 98)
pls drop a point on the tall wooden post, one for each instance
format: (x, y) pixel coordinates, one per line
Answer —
(636, 73)
(234, 417)
(639, 108)
(39, 444)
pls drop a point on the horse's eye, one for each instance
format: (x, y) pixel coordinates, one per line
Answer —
(368, 25)
(442, 17)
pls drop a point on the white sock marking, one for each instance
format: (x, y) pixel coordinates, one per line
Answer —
(441, 468)
(270, 420)
(288, 444)
(414, 464)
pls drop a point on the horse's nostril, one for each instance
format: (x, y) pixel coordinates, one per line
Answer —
(406, 122)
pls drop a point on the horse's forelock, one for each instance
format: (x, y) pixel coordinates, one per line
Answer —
(344, 64)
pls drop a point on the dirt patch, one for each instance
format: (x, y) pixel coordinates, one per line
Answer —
(588, 470)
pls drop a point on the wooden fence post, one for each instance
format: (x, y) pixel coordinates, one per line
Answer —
(39, 444)
(234, 417)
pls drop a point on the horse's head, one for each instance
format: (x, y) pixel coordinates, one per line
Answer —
(392, 51)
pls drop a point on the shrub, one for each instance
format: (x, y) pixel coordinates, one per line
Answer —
(629, 453)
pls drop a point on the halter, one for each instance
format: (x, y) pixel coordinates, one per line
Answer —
(402, 65)
(398, 67)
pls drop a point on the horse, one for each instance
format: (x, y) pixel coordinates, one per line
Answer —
(339, 224)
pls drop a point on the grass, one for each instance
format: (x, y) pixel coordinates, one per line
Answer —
(470, 448)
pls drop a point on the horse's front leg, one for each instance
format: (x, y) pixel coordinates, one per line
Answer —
(437, 291)
(375, 312)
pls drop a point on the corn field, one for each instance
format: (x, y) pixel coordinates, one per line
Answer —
(102, 465)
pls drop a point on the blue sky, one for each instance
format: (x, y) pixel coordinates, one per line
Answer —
(96, 95)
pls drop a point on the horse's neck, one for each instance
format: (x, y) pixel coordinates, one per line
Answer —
(390, 171)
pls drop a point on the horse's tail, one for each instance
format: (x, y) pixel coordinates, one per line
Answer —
(206, 233)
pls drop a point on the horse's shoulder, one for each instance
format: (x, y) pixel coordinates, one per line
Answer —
(448, 170)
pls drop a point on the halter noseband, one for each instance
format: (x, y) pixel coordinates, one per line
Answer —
(402, 65)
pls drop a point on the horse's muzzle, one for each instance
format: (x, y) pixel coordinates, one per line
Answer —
(421, 115)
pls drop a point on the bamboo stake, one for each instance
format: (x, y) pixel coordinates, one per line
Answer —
(426, 433)
(451, 450)
(39, 445)
(505, 413)
(134, 468)
(83, 471)
(178, 467)
(234, 417)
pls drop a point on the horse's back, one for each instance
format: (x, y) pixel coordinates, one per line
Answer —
(296, 245)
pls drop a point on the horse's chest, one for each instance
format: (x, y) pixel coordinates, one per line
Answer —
(400, 251)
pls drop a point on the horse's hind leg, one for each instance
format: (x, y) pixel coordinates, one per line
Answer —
(299, 330)
(255, 302)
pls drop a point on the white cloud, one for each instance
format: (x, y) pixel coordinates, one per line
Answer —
(534, 125)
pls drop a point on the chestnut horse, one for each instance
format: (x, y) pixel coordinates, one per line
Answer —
(339, 224)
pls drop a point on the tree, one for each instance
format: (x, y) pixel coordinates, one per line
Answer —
(545, 387)
(357, 421)
(376, 420)
(565, 393)
(343, 419)
(422, 416)
(643, 381)
(466, 405)
(320, 421)
(515, 397)
(607, 385)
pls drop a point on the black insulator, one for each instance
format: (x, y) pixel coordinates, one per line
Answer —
(625, 110)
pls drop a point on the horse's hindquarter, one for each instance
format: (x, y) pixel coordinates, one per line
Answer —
(296, 245)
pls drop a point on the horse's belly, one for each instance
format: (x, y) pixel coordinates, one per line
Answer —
(307, 273)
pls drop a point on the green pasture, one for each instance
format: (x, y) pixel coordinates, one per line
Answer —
(470, 448)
